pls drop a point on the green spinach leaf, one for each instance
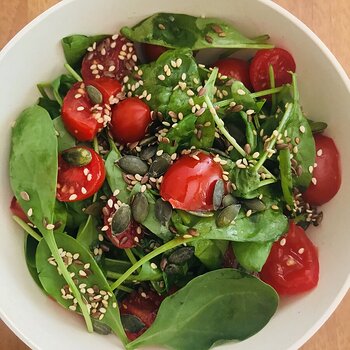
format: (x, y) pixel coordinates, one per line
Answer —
(52, 106)
(64, 138)
(286, 176)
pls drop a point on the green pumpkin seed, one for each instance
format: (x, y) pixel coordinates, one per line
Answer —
(254, 204)
(228, 200)
(77, 156)
(100, 327)
(181, 255)
(227, 215)
(201, 214)
(218, 194)
(172, 269)
(132, 165)
(132, 323)
(317, 127)
(140, 207)
(94, 94)
(163, 211)
(148, 153)
(121, 219)
(160, 165)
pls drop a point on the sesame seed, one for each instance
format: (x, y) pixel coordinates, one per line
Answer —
(80, 108)
(248, 213)
(87, 266)
(250, 111)
(314, 181)
(274, 207)
(295, 149)
(89, 177)
(72, 307)
(76, 256)
(178, 62)
(148, 97)
(290, 262)
(72, 197)
(195, 157)
(241, 92)
(183, 76)
(82, 273)
(187, 236)
(153, 266)
(190, 92)
(311, 169)
(161, 26)
(111, 68)
(52, 262)
(138, 230)
(114, 305)
(256, 155)
(283, 242)
(302, 129)
(30, 212)
(143, 188)
(161, 77)
(25, 196)
(50, 226)
(320, 152)
(83, 190)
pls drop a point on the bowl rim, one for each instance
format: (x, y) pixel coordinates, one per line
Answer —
(308, 32)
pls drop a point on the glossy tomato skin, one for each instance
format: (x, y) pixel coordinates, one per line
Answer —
(189, 183)
(17, 210)
(152, 52)
(104, 60)
(80, 116)
(130, 120)
(143, 305)
(236, 69)
(327, 173)
(108, 87)
(75, 183)
(292, 266)
(282, 62)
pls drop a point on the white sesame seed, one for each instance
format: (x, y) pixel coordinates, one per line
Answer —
(72, 307)
(82, 273)
(302, 129)
(87, 266)
(256, 155)
(250, 111)
(160, 152)
(80, 108)
(320, 152)
(148, 97)
(274, 207)
(301, 250)
(76, 256)
(24, 195)
(102, 310)
(30, 212)
(52, 262)
(311, 169)
(153, 266)
(283, 242)
(295, 149)
(314, 181)
(190, 92)
(249, 213)
(89, 177)
(183, 76)
(111, 68)
(83, 190)
(182, 85)
(178, 62)
(50, 226)
(161, 77)
(168, 73)
(72, 197)
(143, 188)
(241, 92)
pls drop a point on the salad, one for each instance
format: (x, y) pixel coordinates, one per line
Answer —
(165, 200)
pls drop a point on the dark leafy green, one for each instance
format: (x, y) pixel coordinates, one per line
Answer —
(52, 106)
(64, 138)
(286, 176)
(88, 233)
(61, 85)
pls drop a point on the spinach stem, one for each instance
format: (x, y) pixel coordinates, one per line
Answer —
(72, 72)
(27, 228)
(266, 182)
(272, 85)
(273, 140)
(41, 87)
(165, 247)
(125, 289)
(95, 143)
(130, 255)
(272, 91)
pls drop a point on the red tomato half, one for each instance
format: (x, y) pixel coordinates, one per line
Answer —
(108, 87)
(292, 266)
(75, 183)
(327, 174)
(236, 69)
(282, 62)
(152, 52)
(130, 120)
(114, 57)
(82, 118)
(189, 183)
(17, 210)
(143, 305)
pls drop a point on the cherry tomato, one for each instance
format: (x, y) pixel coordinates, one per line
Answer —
(74, 182)
(327, 174)
(236, 69)
(114, 57)
(130, 120)
(189, 183)
(142, 306)
(17, 210)
(82, 118)
(282, 62)
(109, 88)
(292, 266)
(130, 237)
(152, 52)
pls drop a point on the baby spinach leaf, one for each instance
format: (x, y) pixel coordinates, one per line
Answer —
(286, 176)
(220, 305)
(88, 233)
(251, 255)
(205, 134)
(117, 266)
(75, 46)
(53, 282)
(61, 85)
(60, 217)
(76, 215)
(52, 106)
(64, 138)
(184, 31)
(247, 182)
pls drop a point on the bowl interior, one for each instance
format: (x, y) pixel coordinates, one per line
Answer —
(35, 55)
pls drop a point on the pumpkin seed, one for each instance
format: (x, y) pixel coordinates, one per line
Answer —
(228, 200)
(181, 255)
(254, 204)
(132, 165)
(94, 209)
(201, 214)
(77, 156)
(148, 153)
(227, 215)
(160, 165)
(163, 211)
(94, 94)
(140, 207)
(217, 151)
(147, 141)
(317, 127)
(218, 194)
(121, 219)
(100, 328)
(172, 269)
(132, 323)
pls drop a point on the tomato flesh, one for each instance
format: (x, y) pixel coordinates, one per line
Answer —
(327, 174)
(189, 183)
(130, 120)
(109, 88)
(17, 210)
(152, 52)
(282, 62)
(113, 57)
(75, 183)
(292, 266)
(236, 69)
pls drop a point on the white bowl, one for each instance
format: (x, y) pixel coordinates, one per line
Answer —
(35, 55)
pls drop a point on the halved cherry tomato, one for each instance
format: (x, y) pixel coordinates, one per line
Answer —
(130, 120)
(82, 118)
(75, 183)
(152, 52)
(114, 57)
(17, 210)
(327, 174)
(109, 88)
(282, 62)
(292, 266)
(189, 183)
(130, 237)
(143, 307)
(236, 69)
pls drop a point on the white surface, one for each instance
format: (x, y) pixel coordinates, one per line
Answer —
(34, 55)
